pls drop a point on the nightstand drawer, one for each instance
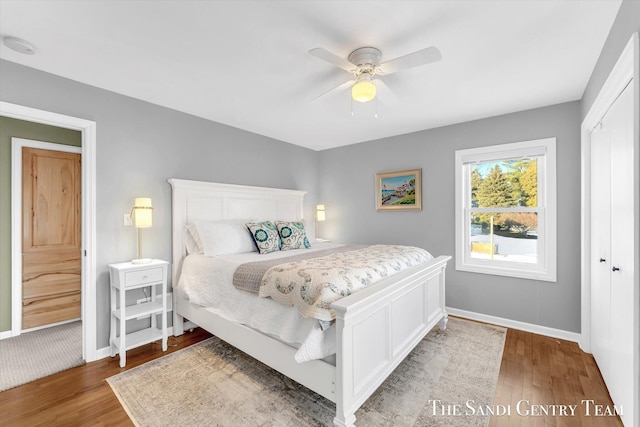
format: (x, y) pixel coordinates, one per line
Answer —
(134, 278)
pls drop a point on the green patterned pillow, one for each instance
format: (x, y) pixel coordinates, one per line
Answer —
(292, 235)
(265, 235)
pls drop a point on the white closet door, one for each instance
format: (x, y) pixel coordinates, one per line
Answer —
(600, 248)
(620, 121)
(612, 230)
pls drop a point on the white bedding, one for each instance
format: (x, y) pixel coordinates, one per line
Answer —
(207, 281)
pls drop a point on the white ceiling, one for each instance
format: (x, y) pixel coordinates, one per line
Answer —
(245, 63)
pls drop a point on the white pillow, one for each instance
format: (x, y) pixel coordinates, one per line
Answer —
(192, 240)
(224, 237)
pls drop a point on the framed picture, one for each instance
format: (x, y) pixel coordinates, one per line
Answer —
(401, 190)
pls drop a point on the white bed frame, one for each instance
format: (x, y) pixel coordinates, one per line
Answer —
(377, 327)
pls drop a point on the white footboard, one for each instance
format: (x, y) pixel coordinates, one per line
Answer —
(378, 327)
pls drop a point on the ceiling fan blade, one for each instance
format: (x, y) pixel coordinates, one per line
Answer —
(332, 58)
(385, 94)
(340, 87)
(415, 59)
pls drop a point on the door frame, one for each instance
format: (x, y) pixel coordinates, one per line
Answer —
(625, 70)
(88, 260)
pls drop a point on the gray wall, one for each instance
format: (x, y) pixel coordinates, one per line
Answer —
(627, 22)
(139, 146)
(347, 190)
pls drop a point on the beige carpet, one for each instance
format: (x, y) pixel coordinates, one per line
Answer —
(40, 353)
(213, 384)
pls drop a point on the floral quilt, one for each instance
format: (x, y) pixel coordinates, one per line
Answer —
(311, 285)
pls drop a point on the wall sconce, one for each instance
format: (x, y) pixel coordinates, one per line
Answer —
(320, 216)
(143, 218)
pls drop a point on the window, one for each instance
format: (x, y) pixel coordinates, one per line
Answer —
(506, 210)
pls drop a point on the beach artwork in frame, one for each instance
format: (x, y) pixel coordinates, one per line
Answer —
(400, 190)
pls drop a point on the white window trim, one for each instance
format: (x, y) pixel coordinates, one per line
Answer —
(546, 268)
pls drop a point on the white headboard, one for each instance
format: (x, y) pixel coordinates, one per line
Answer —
(198, 200)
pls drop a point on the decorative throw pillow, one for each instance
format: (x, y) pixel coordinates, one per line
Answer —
(292, 235)
(265, 235)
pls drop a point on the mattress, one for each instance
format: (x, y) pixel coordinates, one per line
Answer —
(208, 282)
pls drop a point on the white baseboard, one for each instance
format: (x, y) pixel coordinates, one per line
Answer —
(500, 321)
(515, 324)
(6, 334)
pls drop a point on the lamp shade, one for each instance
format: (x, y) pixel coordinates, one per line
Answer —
(142, 211)
(364, 90)
(320, 213)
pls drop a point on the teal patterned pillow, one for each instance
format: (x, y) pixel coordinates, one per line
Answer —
(265, 235)
(292, 235)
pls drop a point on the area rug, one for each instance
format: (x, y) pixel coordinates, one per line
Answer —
(213, 384)
(40, 353)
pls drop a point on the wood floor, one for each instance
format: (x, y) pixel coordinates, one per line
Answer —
(541, 370)
(549, 372)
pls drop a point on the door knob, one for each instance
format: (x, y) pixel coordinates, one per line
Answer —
(614, 269)
(603, 260)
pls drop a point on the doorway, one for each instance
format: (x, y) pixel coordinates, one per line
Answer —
(88, 238)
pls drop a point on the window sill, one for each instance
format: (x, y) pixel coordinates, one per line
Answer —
(509, 272)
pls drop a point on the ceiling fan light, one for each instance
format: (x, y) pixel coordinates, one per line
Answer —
(364, 90)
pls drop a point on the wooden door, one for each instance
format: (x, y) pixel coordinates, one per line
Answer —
(612, 251)
(51, 236)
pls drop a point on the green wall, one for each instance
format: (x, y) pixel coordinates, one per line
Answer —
(22, 129)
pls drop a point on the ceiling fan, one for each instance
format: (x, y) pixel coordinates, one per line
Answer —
(364, 64)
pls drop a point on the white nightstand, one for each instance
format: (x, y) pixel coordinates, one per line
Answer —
(127, 276)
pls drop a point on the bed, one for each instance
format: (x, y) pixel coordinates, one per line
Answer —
(399, 310)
